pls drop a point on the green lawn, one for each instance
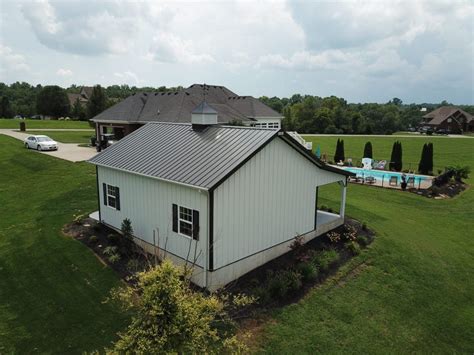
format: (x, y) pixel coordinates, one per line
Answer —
(51, 287)
(67, 136)
(31, 124)
(447, 151)
(411, 291)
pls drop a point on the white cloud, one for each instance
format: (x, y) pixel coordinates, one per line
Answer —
(84, 28)
(64, 72)
(128, 77)
(166, 47)
(11, 61)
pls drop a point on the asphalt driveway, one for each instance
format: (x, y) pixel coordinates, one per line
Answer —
(66, 151)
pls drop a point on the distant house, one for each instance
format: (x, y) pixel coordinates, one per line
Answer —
(225, 197)
(176, 107)
(449, 118)
(83, 96)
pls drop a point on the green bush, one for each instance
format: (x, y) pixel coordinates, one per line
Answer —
(363, 240)
(283, 282)
(114, 258)
(307, 270)
(325, 258)
(133, 265)
(93, 239)
(353, 247)
(109, 251)
(364, 226)
(113, 238)
(262, 294)
(167, 316)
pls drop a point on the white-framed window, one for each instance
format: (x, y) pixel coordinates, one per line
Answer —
(111, 196)
(185, 219)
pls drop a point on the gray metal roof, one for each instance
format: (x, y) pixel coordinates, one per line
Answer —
(177, 153)
(204, 108)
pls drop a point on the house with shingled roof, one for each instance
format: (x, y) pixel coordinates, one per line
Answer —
(450, 118)
(175, 107)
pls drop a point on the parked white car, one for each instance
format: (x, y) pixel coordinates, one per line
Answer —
(40, 143)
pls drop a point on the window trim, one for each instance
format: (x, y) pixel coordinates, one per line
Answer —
(191, 222)
(113, 196)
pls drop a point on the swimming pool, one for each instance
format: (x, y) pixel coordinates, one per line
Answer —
(382, 175)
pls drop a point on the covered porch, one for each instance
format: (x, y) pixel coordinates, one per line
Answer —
(324, 221)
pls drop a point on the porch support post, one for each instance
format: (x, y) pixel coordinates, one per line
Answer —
(343, 198)
(316, 209)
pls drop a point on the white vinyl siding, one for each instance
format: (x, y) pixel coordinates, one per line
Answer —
(148, 204)
(267, 201)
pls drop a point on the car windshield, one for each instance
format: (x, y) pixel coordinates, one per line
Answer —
(44, 139)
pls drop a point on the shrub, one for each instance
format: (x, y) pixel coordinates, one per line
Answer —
(350, 233)
(114, 258)
(113, 238)
(109, 251)
(459, 172)
(324, 208)
(169, 317)
(283, 282)
(396, 157)
(367, 150)
(276, 285)
(262, 294)
(363, 240)
(93, 239)
(364, 226)
(307, 271)
(353, 247)
(334, 237)
(330, 210)
(339, 154)
(133, 265)
(324, 259)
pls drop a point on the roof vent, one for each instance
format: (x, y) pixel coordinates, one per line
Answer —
(203, 116)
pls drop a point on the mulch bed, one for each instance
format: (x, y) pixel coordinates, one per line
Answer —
(289, 260)
(83, 230)
(448, 190)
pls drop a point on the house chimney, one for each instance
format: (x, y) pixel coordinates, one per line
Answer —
(203, 116)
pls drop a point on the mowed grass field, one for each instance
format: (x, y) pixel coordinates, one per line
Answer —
(67, 136)
(51, 287)
(411, 291)
(447, 151)
(32, 124)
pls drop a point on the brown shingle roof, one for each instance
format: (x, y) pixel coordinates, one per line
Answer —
(442, 113)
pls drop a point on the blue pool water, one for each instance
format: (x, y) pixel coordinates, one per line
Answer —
(380, 175)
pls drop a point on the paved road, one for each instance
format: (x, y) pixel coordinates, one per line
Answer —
(66, 151)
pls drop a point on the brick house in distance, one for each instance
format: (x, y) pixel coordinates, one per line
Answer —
(83, 96)
(449, 118)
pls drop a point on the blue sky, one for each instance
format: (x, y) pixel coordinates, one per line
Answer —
(364, 51)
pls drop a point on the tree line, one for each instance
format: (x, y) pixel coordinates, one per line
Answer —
(334, 115)
(302, 113)
(25, 100)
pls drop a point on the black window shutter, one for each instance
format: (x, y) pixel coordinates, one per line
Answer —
(117, 198)
(175, 218)
(195, 224)
(104, 189)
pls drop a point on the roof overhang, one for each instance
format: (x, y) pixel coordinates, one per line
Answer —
(310, 156)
